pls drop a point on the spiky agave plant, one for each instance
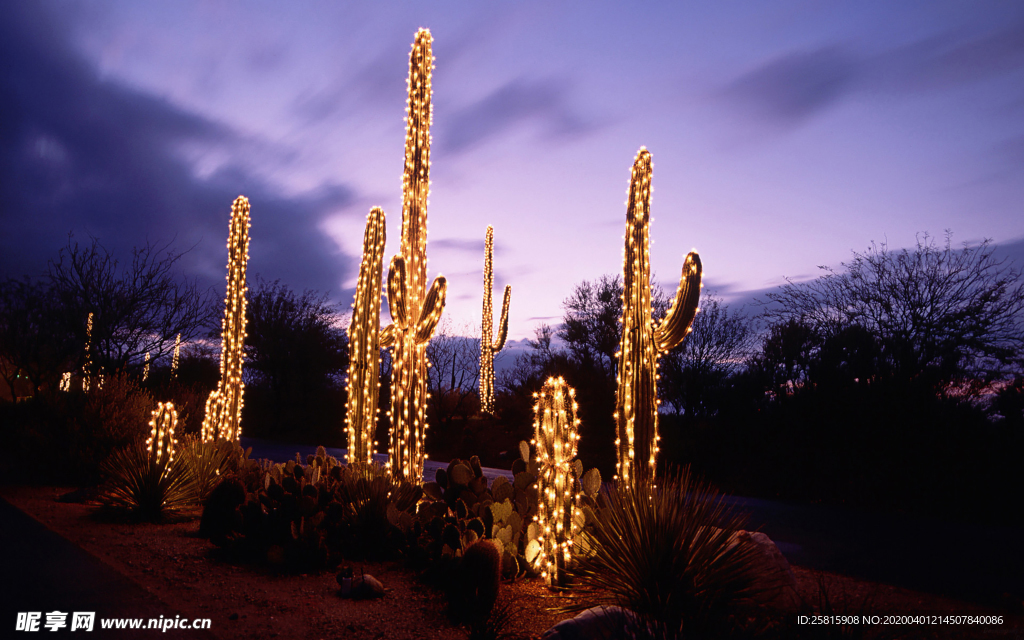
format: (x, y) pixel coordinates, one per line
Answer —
(667, 553)
(145, 480)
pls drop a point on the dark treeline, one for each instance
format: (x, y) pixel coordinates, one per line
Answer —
(893, 383)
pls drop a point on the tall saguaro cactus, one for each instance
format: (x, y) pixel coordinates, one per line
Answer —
(364, 344)
(556, 433)
(489, 348)
(415, 310)
(643, 341)
(224, 406)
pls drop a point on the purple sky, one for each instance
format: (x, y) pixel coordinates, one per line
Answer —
(784, 134)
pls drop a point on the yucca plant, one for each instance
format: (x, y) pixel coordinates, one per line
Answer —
(142, 488)
(207, 462)
(667, 554)
(146, 481)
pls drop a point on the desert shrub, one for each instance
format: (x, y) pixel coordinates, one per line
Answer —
(143, 488)
(77, 430)
(665, 553)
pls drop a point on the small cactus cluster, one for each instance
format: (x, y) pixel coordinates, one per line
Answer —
(643, 341)
(161, 441)
(489, 347)
(224, 406)
(415, 309)
(364, 344)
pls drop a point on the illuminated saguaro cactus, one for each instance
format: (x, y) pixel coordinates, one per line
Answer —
(160, 444)
(177, 353)
(364, 344)
(642, 343)
(489, 348)
(415, 310)
(145, 367)
(224, 406)
(87, 367)
(555, 436)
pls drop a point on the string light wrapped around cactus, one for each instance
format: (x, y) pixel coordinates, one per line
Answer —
(87, 366)
(556, 434)
(177, 354)
(160, 444)
(489, 348)
(415, 310)
(224, 406)
(644, 341)
(364, 344)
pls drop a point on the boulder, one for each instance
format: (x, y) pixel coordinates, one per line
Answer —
(775, 582)
(597, 623)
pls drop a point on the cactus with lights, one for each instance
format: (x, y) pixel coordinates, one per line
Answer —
(177, 355)
(643, 341)
(364, 344)
(415, 309)
(556, 433)
(160, 444)
(87, 367)
(488, 347)
(224, 406)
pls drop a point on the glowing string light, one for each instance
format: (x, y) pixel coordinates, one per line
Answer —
(174, 359)
(224, 406)
(415, 310)
(643, 341)
(160, 444)
(87, 367)
(364, 344)
(489, 348)
(556, 434)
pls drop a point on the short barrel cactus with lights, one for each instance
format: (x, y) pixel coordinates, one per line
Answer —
(224, 406)
(643, 340)
(556, 433)
(364, 344)
(415, 308)
(489, 346)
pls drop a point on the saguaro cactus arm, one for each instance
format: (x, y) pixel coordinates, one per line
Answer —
(499, 341)
(430, 313)
(676, 324)
(397, 293)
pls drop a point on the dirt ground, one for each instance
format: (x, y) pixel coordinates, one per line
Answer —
(244, 601)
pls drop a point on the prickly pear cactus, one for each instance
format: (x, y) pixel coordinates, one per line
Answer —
(490, 347)
(415, 309)
(364, 344)
(643, 341)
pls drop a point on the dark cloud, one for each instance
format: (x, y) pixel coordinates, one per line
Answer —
(84, 154)
(544, 102)
(456, 244)
(793, 87)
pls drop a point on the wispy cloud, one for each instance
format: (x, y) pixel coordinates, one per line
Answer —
(543, 103)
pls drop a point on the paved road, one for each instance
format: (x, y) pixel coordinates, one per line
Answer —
(965, 561)
(43, 572)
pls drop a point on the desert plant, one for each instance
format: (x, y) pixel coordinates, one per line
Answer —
(666, 553)
(643, 341)
(489, 347)
(415, 310)
(556, 430)
(364, 344)
(145, 481)
(224, 406)
(209, 461)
